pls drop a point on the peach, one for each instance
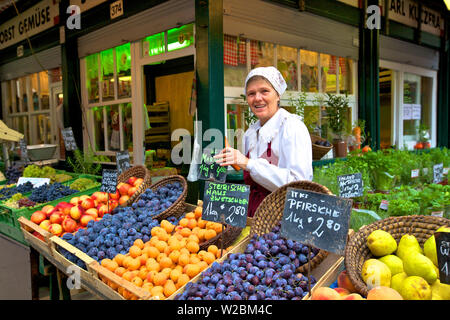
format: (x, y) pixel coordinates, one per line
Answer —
(343, 281)
(45, 224)
(102, 210)
(88, 203)
(84, 220)
(92, 212)
(69, 225)
(113, 204)
(76, 212)
(131, 180)
(50, 212)
(138, 182)
(353, 296)
(83, 197)
(123, 200)
(131, 191)
(38, 216)
(56, 217)
(342, 291)
(123, 189)
(74, 201)
(114, 196)
(64, 207)
(56, 229)
(325, 293)
(383, 293)
(100, 196)
(47, 208)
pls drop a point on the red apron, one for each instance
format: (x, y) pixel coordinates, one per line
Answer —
(257, 192)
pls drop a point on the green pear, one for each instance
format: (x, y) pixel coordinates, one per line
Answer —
(397, 280)
(429, 247)
(407, 243)
(375, 273)
(416, 264)
(394, 263)
(440, 291)
(415, 288)
(381, 243)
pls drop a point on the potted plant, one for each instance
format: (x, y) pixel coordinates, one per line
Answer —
(337, 109)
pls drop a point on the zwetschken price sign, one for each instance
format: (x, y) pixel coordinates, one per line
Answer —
(210, 170)
(443, 255)
(316, 219)
(226, 203)
(350, 185)
(109, 181)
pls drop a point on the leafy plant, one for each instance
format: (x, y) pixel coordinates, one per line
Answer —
(309, 115)
(84, 163)
(249, 116)
(337, 108)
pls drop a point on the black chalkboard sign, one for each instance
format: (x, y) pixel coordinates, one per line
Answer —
(123, 161)
(350, 185)
(210, 170)
(23, 151)
(443, 255)
(109, 181)
(438, 173)
(226, 203)
(316, 219)
(69, 140)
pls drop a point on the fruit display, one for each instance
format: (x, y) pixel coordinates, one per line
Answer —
(50, 192)
(266, 270)
(169, 259)
(82, 184)
(13, 173)
(125, 190)
(60, 177)
(19, 201)
(7, 193)
(156, 201)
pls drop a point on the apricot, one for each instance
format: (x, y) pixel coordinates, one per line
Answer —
(343, 292)
(210, 233)
(182, 280)
(325, 293)
(192, 270)
(139, 243)
(160, 279)
(169, 288)
(383, 293)
(353, 296)
(344, 281)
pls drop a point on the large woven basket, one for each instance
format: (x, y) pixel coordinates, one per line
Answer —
(137, 171)
(270, 211)
(317, 150)
(178, 207)
(357, 252)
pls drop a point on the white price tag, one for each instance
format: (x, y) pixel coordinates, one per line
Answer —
(415, 173)
(384, 205)
(437, 214)
(37, 182)
(116, 9)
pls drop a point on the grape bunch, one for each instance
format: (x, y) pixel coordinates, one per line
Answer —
(13, 173)
(7, 193)
(264, 271)
(50, 192)
(25, 202)
(155, 202)
(111, 235)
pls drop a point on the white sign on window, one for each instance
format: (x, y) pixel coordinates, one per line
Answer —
(416, 111)
(407, 110)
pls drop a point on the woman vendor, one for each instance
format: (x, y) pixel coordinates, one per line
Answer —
(277, 147)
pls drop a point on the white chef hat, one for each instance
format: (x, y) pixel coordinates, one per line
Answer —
(272, 75)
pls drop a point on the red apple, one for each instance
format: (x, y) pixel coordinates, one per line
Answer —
(76, 212)
(38, 216)
(84, 220)
(69, 225)
(131, 191)
(92, 212)
(114, 196)
(47, 208)
(88, 203)
(74, 201)
(123, 199)
(56, 229)
(56, 217)
(123, 189)
(45, 224)
(138, 182)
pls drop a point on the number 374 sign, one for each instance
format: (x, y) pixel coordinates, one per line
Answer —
(316, 219)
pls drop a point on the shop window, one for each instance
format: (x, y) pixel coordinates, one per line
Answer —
(345, 76)
(107, 67)
(287, 64)
(329, 68)
(309, 71)
(153, 45)
(234, 60)
(179, 38)
(92, 77)
(264, 55)
(123, 67)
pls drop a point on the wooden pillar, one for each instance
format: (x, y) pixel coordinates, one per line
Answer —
(444, 89)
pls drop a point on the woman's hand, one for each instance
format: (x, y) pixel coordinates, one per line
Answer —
(229, 156)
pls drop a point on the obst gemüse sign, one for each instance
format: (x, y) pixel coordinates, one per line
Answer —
(226, 203)
(316, 219)
(38, 18)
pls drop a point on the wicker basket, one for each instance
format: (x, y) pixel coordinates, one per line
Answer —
(138, 171)
(357, 252)
(177, 208)
(319, 151)
(227, 236)
(270, 211)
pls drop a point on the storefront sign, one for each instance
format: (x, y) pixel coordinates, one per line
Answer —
(41, 17)
(210, 170)
(407, 112)
(86, 5)
(416, 110)
(316, 219)
(350, 185)
(443, 255)
(226, 203)
(109, 181)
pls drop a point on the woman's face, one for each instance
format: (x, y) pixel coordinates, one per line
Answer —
(262, 99)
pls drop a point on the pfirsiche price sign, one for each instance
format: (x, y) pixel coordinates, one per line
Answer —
(316, 219)
(210, 170)
(226, 203)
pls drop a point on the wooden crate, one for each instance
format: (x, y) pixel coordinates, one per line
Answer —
(43, 245)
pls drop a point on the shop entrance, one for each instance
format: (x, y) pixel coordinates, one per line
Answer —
(386, 107)
(167, 96)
